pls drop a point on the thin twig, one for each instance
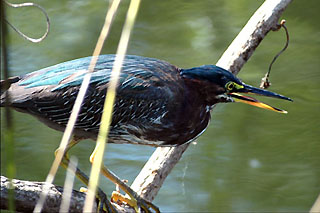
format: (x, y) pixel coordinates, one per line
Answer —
(29, 4)
(265, 82)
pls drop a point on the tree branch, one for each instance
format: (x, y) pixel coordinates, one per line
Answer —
(27, 194)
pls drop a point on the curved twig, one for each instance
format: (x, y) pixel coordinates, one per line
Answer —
(265, 83)
(30, 4)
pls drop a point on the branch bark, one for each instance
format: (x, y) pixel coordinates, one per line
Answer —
(149, 181)
(27, 194)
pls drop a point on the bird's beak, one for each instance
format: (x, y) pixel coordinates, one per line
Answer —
(254, 102)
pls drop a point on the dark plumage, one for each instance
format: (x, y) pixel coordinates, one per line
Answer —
(156, 104)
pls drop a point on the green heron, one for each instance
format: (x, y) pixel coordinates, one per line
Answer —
(157, 103)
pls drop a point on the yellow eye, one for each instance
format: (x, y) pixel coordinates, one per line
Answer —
(232, 85)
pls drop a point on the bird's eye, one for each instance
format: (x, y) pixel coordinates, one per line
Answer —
(230, 86)
(233, 86)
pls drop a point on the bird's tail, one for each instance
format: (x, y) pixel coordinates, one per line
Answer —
(4, 86)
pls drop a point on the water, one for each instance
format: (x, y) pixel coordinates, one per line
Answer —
(249, 159)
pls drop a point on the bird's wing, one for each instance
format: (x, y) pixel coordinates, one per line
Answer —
(139, 74)
(145, 86)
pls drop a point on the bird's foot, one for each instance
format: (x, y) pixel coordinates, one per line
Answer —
(133, 200)
(83, 189)
(139, 204)
(117, 197)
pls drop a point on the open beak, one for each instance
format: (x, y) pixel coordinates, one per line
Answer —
(254, 102)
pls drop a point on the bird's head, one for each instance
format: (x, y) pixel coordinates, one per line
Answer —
(219, 85)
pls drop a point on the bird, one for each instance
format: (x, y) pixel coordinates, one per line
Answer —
(157, 103)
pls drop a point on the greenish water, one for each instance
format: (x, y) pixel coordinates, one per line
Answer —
(249, 159)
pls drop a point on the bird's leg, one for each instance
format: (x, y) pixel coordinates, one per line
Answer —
(104, 204)
(135, 200)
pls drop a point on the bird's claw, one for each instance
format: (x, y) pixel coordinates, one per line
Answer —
(83, 189)
(137, 203)
(118, 198)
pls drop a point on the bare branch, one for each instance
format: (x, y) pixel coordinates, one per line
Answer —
(27, 194)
